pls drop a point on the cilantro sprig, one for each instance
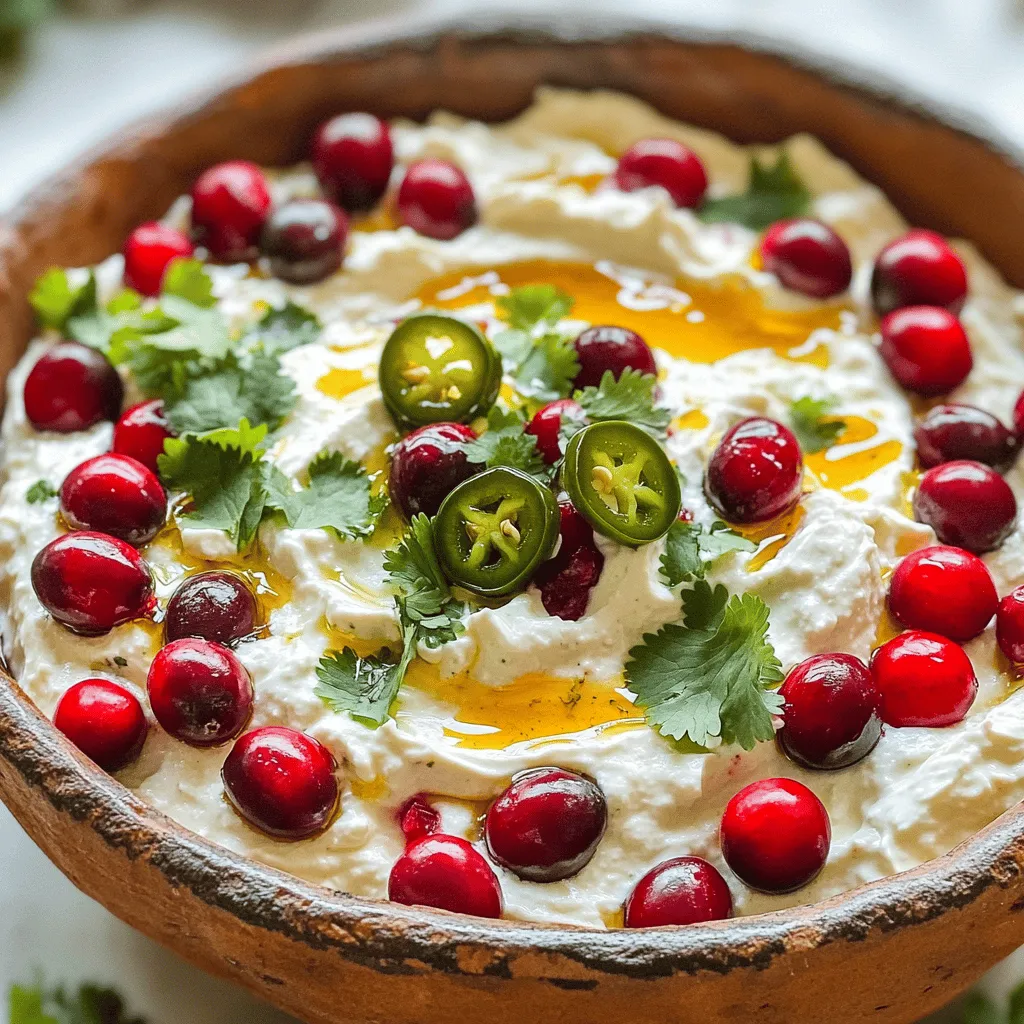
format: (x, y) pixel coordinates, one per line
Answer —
(89, 1004)
(40, 491)
(505, 442)
(630, 397)
(689, 548)
(814, 426)
(773, 193)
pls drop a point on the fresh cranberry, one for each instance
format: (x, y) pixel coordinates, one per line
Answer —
(918, 269)
(215, 605)
(775, 835)
(427, 465)
(546, 426)
(436, 199)
(565, 581)
(104, 721)
(686, 890)
(282, 782)
(1018, 417)
(445, 872)
(617, 349)
(663, 162)
(951, 432)
(547, 824)
(72, 387)
(353, 157)
(756, 471)
(1010, 625)
(926, 349)
(91, 583)
(148, 253)
(923, 679)
(304, 240)
(230, 203)
(967, 504)
(418, 817)
(807, 256)
(199, 692)
(141, 431)
(831, 713)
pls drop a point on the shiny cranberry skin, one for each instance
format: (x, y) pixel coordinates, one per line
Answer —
(604, 348)
(943, 590)
(282, 782)
(664, 162)
(1018, 417)
(353, 157)
(565, 581)
(418, 817)
(967, 504)
(807, 256)
(775, 835)
(104, 721)
(141, 431)
(445, 872)
(954, 431)
(1010, 625)
(72, 387)
(114, 494)
(230, 203)
(546, 426)
(199, 692)
(304, 240)
(148, 253)
(685, 890)
(436, 199)
(926, 349)
(91, 582)
(215, 605)
(756, 471)
(830, 718)
(918, 269)
(427, 465)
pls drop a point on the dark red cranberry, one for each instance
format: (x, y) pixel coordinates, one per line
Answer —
(546, 426)
(926, 349)
(418, 817)
(686, 890)
(967, 504)
(427, 465)
(353, 157)
(617, 349)
(445, 872)
(546, 826)
(148, 253)
(282, 782)
(756, 471)
(807, 256)
(215, 605)
(918, 269)
(141, 431)
(923, 679)
(199, 692)
(436, 199)
(1018, 417)
(114, 494)
(831, 714)
(951, 432)
(304, 240)
(230, 203)
(665, 162)
(91, 582)
(943, 590)
(775, 835)
(566, 580)
(104, 721)
(72, 387)
(1010, 625)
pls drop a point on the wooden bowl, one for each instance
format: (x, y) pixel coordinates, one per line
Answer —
(890, 951)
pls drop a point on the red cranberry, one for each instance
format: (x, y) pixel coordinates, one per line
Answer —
(617, 349)
(436, 199)
(141, 431)
(445, 872)
(686, 890)
(546, 426)
(305, 240)
(775, 835)
(919, 269)
(663, 162)
(547, 824)
(148, 253)
(807, 256)
(91, 583)
(418, 817)
(72, 387)
(923, 679)
(215, 605)
(282, 782)
(353, 157)
(114, 494)
(1018, 416)
(967, 504)
(427, 465)
(230, 203)
(926, 349)
(943, 590)
(199, 692)
(950, 432)
(104, 721)
(756, 471)
(831, 714)
(566, 580)
(1010, 625)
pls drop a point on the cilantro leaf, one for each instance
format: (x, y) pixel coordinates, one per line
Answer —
(773, 193)
(534, 304)
(631, 397)
(815, 429)
(506, 443)
(56, 300)
(513, 346)
(721, 539)
(89, 1005)
(189, 280)
(40, 491)
(703, 607)
(681, 560)
(281, 330)
(548, 370)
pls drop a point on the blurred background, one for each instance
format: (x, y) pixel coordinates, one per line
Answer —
(72, 71)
